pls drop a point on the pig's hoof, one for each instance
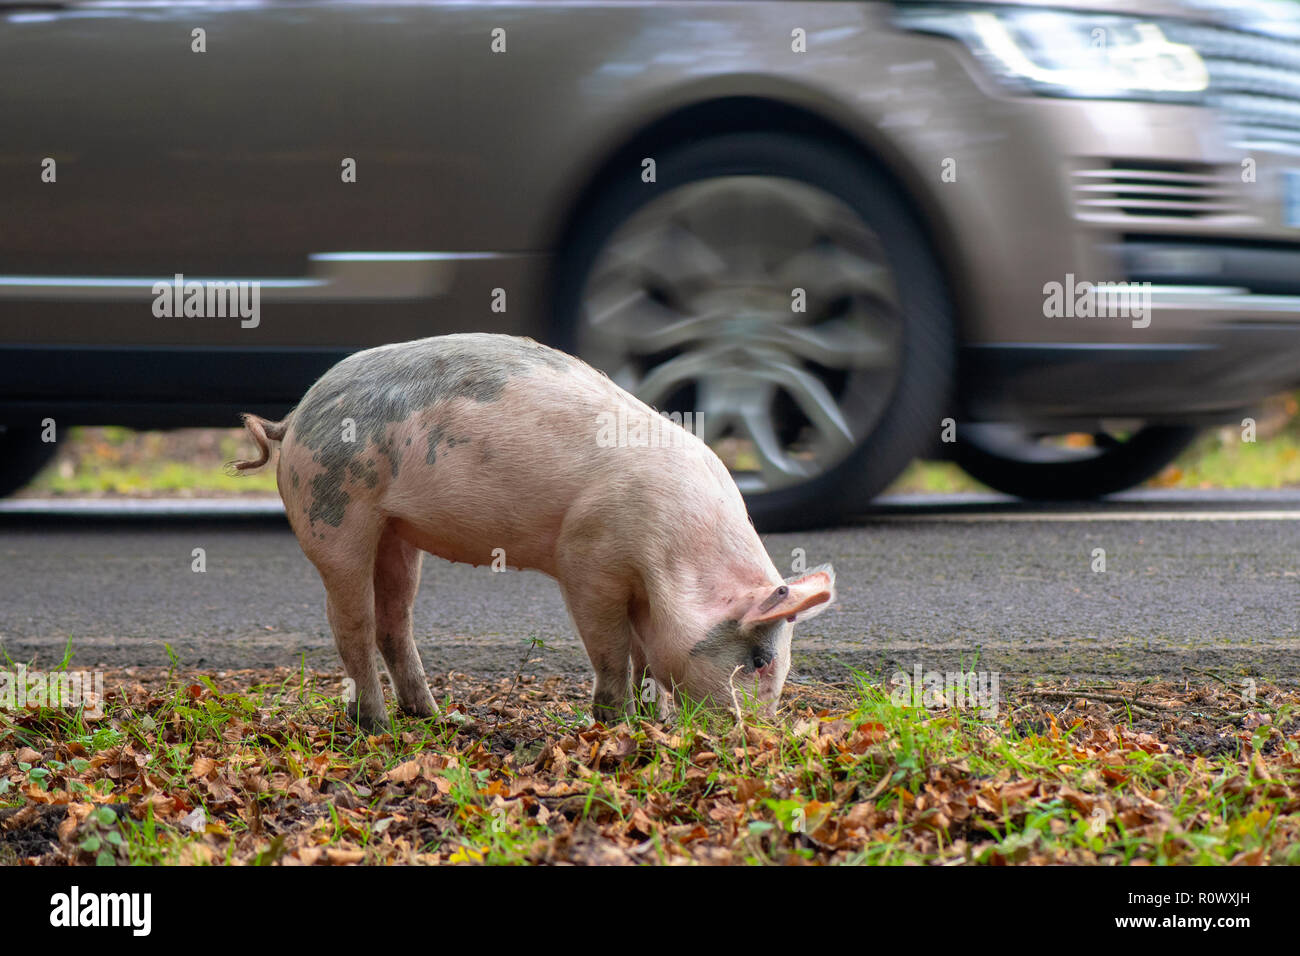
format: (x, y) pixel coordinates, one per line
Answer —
(368, 723)
(374, 725)
(608, 714)
(419, 711)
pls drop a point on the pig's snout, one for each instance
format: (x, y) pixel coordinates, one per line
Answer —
(765, 669)
(732, 661)
(764, 675)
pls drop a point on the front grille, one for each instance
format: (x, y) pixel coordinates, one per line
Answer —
(1254, 81)
(1259, 268)
(1139, 190)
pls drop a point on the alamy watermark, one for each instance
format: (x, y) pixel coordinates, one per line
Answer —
(75, 908)
(1098, 300)
(65, 690)
(208, 300)
(935, 690)
(633, 429)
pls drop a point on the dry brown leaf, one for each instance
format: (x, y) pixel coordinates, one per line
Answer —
(342, 857)
(404, 772)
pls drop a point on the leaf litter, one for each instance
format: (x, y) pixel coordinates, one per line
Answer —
(262, 768)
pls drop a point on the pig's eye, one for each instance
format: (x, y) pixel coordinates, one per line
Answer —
(773, 599)
(760, 657)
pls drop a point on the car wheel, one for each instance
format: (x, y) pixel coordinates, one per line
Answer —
(22, 455)
(778, 291)
(1042, 467)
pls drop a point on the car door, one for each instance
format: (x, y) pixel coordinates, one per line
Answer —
(306, 146)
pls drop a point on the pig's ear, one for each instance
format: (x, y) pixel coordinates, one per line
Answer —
(797, 599)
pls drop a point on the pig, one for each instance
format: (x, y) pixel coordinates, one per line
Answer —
(458, 445)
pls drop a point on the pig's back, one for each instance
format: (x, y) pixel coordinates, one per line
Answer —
(389, 383)
(478, 441)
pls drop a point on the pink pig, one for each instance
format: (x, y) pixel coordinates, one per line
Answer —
(462, 444)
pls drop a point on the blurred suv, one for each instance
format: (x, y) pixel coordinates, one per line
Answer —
(839, 234)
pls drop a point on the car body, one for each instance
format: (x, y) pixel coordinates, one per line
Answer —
(478, 154)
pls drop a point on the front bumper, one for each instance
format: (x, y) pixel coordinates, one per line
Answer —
(1069, 386)
(1121, 192)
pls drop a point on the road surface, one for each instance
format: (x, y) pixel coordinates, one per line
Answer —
(1207, 581)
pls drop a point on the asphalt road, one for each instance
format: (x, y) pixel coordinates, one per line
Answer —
(1193, 580)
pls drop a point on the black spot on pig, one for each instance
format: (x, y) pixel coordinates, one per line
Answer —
(722, 637)
(435, 436)
(394, 459)
(359, 472)
(329, 501)
(382, 387)
(727, 646)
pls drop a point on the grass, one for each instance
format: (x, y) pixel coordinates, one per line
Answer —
(1217, 459)
(161, 478)
(1221, 461)
(190, 462)
(260, 768)
(119, 461)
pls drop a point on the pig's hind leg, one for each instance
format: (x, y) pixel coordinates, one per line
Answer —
(397, 579)
(346, 562)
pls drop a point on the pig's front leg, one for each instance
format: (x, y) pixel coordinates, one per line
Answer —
(649, 696)
(602, 622)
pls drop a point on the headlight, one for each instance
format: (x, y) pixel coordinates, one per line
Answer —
(1060, 53)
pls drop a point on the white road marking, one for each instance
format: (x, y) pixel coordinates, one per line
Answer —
(266, 505)
(1050, 516)
(143, 507)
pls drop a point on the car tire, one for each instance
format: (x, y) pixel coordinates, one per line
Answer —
(22, 456)
(913, 405)
(1001, 466)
